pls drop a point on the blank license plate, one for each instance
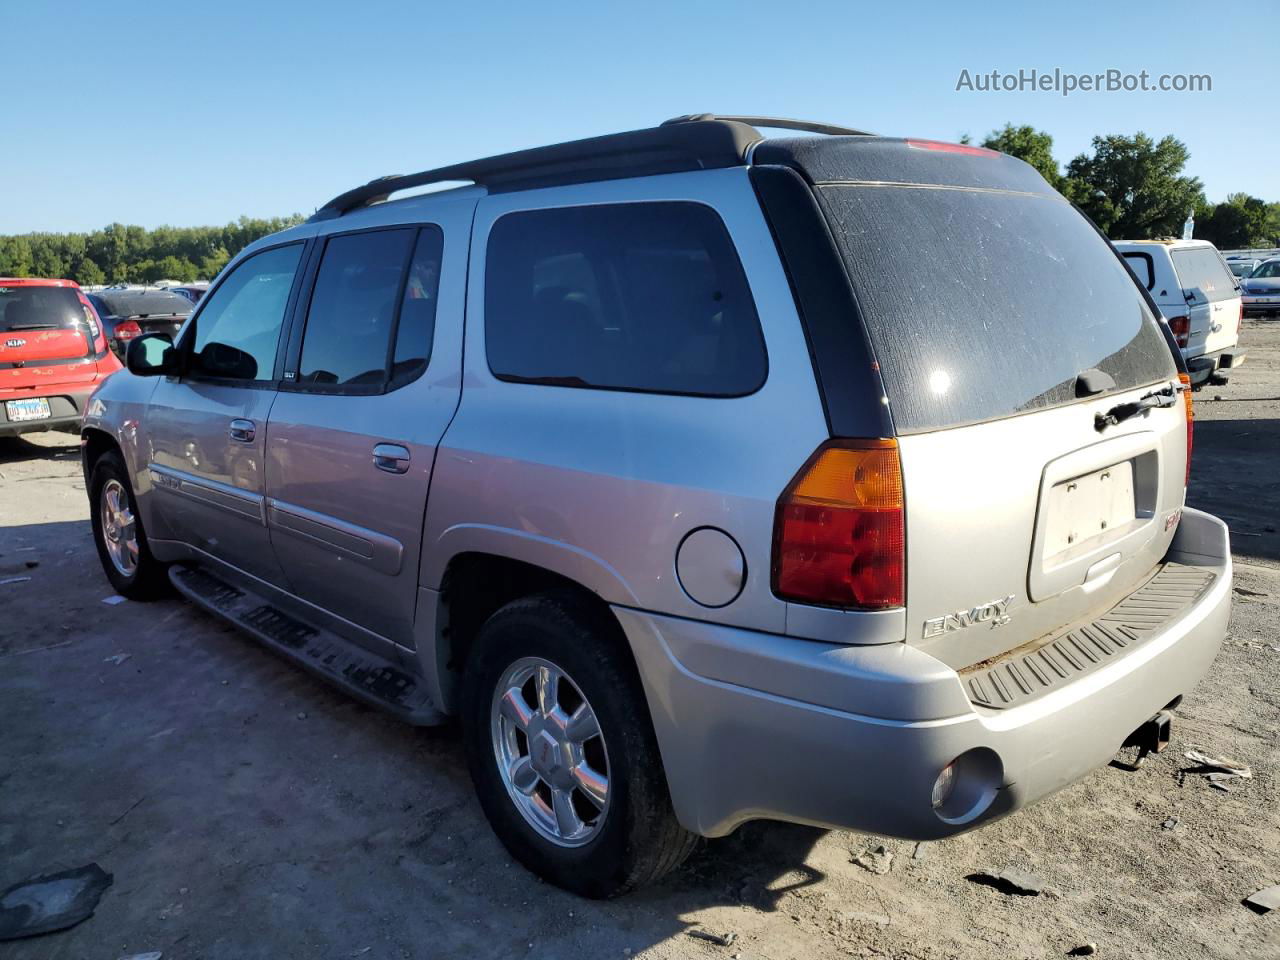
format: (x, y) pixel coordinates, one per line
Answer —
(1092, 506)
(34, 409)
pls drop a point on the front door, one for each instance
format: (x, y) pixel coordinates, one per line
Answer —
(208, 427)
(367, 394)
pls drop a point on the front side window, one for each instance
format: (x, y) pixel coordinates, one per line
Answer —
(238, 330)
(641, 296)
(1266, 271)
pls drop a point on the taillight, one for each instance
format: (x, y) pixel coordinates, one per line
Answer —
(128, 330)
(1180, 327)
(1185, 379)
(839, 532)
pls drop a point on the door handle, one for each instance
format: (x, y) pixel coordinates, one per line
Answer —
(1216, 328)
(391, 457)
(242, 430)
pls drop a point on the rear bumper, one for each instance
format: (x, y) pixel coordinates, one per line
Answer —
(66, 406)
(757, 726)
(1205, 368)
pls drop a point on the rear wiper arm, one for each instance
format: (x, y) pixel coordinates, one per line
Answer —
(34, 326)
(1126, 411)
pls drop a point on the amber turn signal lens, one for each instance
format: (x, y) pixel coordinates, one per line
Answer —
(1185, 380)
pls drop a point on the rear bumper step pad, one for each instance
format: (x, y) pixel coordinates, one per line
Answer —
(1035, 668)
(359, 672)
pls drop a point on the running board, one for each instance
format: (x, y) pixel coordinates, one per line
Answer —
(348, 666)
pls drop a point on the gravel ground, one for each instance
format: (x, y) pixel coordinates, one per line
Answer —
(247, 810)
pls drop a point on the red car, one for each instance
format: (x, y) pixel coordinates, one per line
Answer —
(52, 355)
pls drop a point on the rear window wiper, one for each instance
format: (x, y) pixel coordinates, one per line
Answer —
(35, 326)
(1121, 412)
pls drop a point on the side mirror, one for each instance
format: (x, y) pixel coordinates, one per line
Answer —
(151, 355)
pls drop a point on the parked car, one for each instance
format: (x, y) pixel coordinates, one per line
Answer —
(192, 291)
(53, 355)
(129, 312)
(1261, 289)
(662, 465)
(1198, 296)
(1241, 268)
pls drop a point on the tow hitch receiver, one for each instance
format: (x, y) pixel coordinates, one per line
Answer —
(1151, 737)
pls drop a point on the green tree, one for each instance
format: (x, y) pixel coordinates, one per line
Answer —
(1028, 144)
(1133, 187)
(1240, 221)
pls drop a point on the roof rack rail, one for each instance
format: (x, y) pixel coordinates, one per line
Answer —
(780, 123)
(670, 148)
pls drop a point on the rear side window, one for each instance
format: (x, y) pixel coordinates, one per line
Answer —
(1143, 268)
(237, 331)
(372, 314)
(643, 296)
(982, 304)
(1203, 268)
(30, 308)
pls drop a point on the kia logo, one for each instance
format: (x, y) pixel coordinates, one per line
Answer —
(15, 342)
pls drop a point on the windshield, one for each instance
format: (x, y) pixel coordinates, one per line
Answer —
(1270, 269)
(1022, 295)
(39, 308)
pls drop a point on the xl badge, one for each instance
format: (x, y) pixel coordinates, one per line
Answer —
(994, 613)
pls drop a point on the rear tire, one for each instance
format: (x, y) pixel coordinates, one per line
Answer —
(118, 534)
(620, 832)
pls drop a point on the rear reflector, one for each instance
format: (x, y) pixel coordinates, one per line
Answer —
(839, 537)
(952, 148)
(1185, 379)
(1180, 327)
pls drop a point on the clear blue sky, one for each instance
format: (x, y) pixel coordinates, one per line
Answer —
(189, 114)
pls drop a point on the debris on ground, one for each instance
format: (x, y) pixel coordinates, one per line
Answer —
(1265, 900)
(51, 902)
(1084, 950)
(919, 852)
(1219, 785)
(720, 939)
(1223, 764)
(112, 600)
(879, 919)
(1170, 823)
(1010, 881)
(117, 659)
(8, 580)
(153, 955)
(878, 861)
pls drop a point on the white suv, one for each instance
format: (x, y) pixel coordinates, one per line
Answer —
(1198, 295)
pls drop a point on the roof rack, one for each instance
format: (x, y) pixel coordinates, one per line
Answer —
(696, 142)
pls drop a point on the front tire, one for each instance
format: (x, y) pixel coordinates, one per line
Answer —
(562, 751)
(118, 534)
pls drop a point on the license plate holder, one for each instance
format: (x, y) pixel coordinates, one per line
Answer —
(28, 408)
(1087, 508)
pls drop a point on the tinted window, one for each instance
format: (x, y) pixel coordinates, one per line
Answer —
(981, 304)
(24, 308)
(1203, 267)
(238, 329)
(642, 296)
(1267, 270)
(1143, 268)
(353, 308)
(417, 324)
(144, 303)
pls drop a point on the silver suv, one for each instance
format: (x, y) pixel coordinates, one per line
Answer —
(832, 478)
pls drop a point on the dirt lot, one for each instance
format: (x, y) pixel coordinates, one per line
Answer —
(247, 810)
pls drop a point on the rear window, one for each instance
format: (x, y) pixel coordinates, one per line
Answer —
(1203, 268)
(982, 304)
(39, 308)
(643, 296)
(142, 303)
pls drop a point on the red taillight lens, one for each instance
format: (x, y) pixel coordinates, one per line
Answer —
(1180, 327)
(128, 330)
(839, 532)
(1191, 423)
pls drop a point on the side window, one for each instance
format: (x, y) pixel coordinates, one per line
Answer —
(1143, 268)
(238, 329)
(347, 338)
(640, 296)
(417, 325)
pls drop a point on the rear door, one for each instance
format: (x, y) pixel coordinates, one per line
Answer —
(371, 384)
(1022, 514)
(1212, 299)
